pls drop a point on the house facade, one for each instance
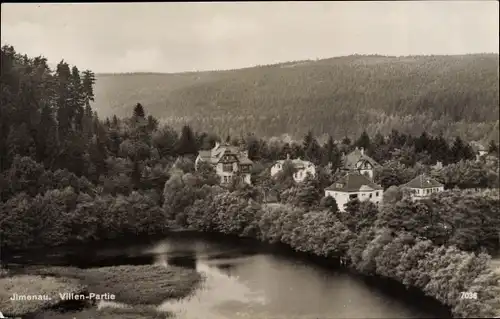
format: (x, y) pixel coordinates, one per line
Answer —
(423, 186)
(228, 162)
(303, 168)
(354, 185)
(358, 161)
(479, 150)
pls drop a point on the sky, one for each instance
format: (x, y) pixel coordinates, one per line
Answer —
(177, 37)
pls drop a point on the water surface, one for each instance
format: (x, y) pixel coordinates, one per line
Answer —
(247, 280)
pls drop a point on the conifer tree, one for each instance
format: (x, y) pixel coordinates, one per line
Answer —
(139, 111)
(187, 142)
(331, 154)
(363, 141)
(312, 150)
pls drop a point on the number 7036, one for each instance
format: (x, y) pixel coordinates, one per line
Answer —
(468, 295)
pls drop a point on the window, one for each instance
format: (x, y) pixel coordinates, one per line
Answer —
(227, 167)
(376, 194)
(370, 195)
(245, 168)
(353, 196)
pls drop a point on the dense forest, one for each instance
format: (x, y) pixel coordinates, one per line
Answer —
(70, 177)
(452, 95)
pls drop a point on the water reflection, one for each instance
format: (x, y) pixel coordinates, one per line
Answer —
(219, 296)
(245, 281)
(250, 285)
(186, 261)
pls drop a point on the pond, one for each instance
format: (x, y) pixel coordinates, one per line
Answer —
(245, 279)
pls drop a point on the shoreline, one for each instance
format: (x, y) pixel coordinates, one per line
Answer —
(134, 286)
(385, 285)
(373, 278)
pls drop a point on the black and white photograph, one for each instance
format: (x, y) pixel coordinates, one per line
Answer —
(250, 159)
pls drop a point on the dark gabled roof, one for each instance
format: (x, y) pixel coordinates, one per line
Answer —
(423, 181)
(297, 163)
(245, 160)
(214, 155)
(351, 159)
(353, 182)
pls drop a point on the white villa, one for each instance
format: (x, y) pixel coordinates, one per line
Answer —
(421, 187)
(358, 161)
(303, 168)
(228, 161)
(479, 150)
(354, 185)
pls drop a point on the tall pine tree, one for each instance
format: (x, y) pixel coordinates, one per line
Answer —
(363, 141)
(187, 142)
(312, 150)
(139, 111)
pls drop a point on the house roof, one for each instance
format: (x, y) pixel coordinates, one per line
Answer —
(351, 159)
(214, 155)
(297, 163)
(205, 155)
(477, 147)
(245, 160)
(354, 182)
(423, 181)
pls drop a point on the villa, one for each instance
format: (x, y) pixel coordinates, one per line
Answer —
(228, 162)
(354, 185)
(479, 150)
(303, 168)
(422, 186)
(358, 161)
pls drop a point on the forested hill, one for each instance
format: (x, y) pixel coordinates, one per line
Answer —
(456, 95)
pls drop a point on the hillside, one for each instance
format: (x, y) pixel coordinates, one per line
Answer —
(457, 95)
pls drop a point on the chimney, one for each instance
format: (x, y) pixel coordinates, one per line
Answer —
(217, 144)
(287, 156)
(362, 151)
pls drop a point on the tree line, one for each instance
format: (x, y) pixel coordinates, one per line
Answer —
(452, 95)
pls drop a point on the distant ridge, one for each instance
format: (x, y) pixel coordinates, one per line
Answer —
(453, 94)
(303, 61)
